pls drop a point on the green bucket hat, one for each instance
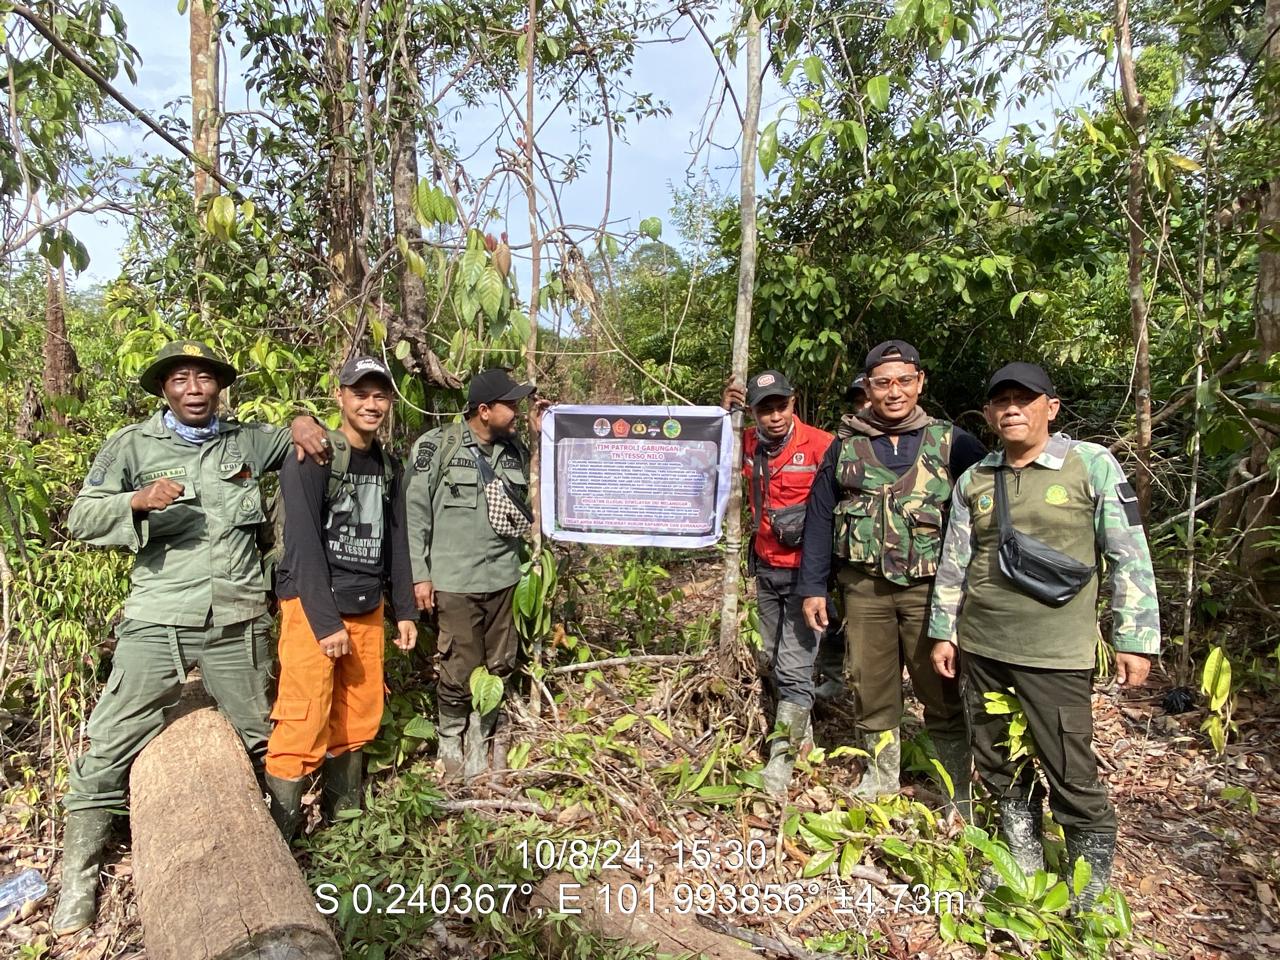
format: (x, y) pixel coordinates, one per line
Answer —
(184, 351)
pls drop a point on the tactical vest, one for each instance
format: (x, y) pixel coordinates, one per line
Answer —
(891, 526)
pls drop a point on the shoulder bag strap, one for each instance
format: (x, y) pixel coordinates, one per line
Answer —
(1002, 506)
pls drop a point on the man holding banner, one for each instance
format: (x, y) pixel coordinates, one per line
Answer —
(781, 454)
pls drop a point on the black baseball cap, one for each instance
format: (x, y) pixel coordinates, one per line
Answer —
(767, 383)
(495, 385)
(858, 386)
(1022, 374)
(889, 351)
(357, 368)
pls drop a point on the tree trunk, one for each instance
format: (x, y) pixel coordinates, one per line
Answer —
(215, 881)
(1262, 506)
(206, 117)
(741, 340)
(343, 179)
(1135, 109)
(411, 324)
(60, 364)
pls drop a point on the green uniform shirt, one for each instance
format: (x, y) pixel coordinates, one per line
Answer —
(1073, 497)
(199, 554)
(451, 542)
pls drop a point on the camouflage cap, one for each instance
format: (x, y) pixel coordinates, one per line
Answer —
(184, 351)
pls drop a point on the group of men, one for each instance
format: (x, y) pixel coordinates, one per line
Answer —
(181, 491)
(979, 572)
(898, 509)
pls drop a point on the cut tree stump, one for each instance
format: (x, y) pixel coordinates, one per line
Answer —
(670, 932)
(215, 880)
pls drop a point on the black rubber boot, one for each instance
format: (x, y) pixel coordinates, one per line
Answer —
(343, 778)
(1099, 851)
(286, 803)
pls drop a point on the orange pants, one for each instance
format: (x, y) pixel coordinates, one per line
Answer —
(325, 707)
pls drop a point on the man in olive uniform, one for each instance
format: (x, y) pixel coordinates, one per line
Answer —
(463, 569)
(1074, 499)
(879, 503)
(181, 491)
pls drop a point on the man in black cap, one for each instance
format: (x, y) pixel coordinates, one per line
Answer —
(1010, 633)
(345, 546)
(879, 504)
(463, 569)
(780, 457)
(180, 491)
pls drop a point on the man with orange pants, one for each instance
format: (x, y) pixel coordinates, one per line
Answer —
(344, 541)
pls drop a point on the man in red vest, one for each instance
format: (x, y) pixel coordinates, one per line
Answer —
(780, 459)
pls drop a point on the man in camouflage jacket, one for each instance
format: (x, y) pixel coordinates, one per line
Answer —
(878, 505)
(1074, 498)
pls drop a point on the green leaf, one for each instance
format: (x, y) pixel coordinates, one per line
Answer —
(1008, 868)
(402, 349)
(659, 725)
(1184, 163)
(624, 723)
(518, 756)
(486, 690)
(489, 290)
(769, 147)
(1056, 898)
(1014, 304)
(420, 727)
(859, 134)
(813, 70)
(1215, 680)
(1081, 873)
(878, 91)
(819, 864)
(651, 227)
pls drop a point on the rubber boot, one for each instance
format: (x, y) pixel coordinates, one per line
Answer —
(881, 775)
(1098, 850)
(450, 728)
(286, 803)
(343, 778)
(479, 733)
(789, 730)
(957, 760)
(83, 842)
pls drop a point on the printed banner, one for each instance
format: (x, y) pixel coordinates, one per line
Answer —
(635, 476)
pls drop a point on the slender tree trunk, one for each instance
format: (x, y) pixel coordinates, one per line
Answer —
(741, 340)
(60, 364)
(206, 117)
(1262, 507)
(343, 177)
(412, 321)
(1135, 109)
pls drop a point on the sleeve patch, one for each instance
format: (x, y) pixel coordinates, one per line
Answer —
(1129, 500)
(426, 452)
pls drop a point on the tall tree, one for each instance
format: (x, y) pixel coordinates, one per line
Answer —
(206, 122)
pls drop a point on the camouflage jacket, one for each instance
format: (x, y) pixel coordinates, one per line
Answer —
(1075, 498)
(891, 526)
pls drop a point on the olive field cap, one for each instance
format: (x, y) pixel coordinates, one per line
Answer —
(768, 383)
(184, 351)
(357, 368)
(889, 352)
(494, 386)
(1021, 374)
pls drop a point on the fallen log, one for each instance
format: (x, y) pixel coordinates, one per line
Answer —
(666, 929)
(215, 880)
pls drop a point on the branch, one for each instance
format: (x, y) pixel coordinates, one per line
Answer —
(106, 87)
(625, 661)
(1204, 503)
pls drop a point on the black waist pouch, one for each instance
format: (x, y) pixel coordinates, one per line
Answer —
(787, 524)
(1034, 567)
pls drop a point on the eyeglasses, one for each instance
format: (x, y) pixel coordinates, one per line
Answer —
(904, 381)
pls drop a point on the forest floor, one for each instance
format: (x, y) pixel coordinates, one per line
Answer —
(1200, 867)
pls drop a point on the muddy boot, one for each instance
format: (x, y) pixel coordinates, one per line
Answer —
(343, 778)
(957, 760)
(286, 803)
(83, 842)
(449, 729)
(880, 778)
(1098, 850)
(789, 730)
(479, 733)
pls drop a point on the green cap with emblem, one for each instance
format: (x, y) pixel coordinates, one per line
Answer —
(185, 351)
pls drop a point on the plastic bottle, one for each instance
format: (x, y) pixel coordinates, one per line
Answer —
(19, 890)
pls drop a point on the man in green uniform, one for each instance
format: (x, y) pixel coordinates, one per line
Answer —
(463, 569)
(181, 491)
(1074, 499)
(879, 504)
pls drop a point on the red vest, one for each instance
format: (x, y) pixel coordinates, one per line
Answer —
(791, 474)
